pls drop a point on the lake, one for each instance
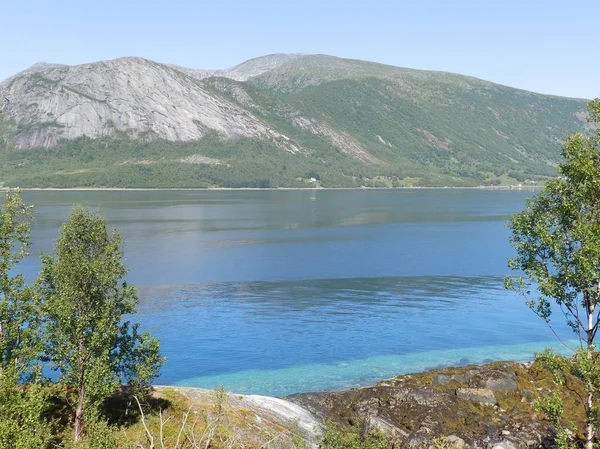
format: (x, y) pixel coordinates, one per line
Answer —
(278, 292)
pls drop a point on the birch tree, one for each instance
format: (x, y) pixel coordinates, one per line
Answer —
(89, 342)
(22, 410)
(19, 308)
(557, 241)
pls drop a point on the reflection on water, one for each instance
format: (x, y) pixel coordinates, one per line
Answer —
(231, 332)
(297, 286)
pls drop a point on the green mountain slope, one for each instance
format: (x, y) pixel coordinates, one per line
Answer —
(445, 123)
(296, 121)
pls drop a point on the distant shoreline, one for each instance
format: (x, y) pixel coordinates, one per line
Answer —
(252, 189)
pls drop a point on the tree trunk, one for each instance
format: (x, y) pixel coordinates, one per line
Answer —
(79, 423)
(589, 426)
(1, 358)
(589, 406)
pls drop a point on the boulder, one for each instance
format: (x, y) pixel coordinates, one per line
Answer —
(455, 442)
(527, 394)
(424, 398)
(377, 424)
(495, 380)
(445, 379)
(482, 395)
(417, 440)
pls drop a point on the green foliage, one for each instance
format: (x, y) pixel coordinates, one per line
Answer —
(466, 136)
(557, 243)
(19, 306)
(22, 409)
(335, 437)
(81, 321)
(23, 414)
(552, 404)
(99, 435)
(88, 342)
(556, 237)
(246, 163)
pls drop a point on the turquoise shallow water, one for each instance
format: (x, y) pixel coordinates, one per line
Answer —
(278, 292)
(363, 372)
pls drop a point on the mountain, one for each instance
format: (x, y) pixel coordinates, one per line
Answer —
(285, 120)
(246, 70)
(148, 100)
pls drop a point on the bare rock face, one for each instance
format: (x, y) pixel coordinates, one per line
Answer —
(257, 421)
(133, 95)
(147, 101)
(410, 415)
(281, 101)
(343, 141)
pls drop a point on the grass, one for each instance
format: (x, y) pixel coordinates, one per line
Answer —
(186, 418)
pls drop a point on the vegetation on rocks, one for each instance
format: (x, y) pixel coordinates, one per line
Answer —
(450, 408)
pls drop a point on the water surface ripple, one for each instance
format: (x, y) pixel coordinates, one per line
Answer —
(276, 292)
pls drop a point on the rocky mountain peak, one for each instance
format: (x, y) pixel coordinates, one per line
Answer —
(258, 66)
(143, 98)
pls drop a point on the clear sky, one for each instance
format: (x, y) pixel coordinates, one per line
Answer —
(545, 46)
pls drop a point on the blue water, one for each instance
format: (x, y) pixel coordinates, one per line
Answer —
(277, 292)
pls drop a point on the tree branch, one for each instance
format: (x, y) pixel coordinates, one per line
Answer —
(148, 433)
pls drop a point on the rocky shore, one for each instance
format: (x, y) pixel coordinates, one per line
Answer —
(489, 406)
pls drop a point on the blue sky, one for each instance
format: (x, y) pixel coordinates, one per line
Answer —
(544, 46)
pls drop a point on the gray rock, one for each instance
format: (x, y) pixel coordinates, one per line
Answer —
(528, 394)
(284, 412)
(370, 407)
(481, 395)
(491, 430)
(280, 412)
(416, 409)
(495, 380)
(377, 424)
(503, 444)
(501, 384)
(455, 442)
(440, 379)
(424, 397)
(146, 99)
(472, 373)
(445, 379)
(245, 70)
(417, 440)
